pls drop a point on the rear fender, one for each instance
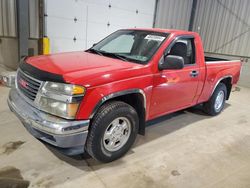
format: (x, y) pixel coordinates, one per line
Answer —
(221, 80)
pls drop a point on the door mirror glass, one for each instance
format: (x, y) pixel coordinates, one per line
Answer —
(172, 62)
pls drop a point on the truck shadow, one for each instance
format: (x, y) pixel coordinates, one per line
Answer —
(155, 129)
(170, 123)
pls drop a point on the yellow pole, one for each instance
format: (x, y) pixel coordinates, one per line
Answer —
(46, 46)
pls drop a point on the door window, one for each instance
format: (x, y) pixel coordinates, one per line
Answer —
(184, 48)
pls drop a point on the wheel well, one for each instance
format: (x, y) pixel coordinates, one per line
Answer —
(228, 84)
(136, 100)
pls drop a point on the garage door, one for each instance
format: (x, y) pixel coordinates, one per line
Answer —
(74, 25)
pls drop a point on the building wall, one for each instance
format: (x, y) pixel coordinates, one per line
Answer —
(8, 18)
(78, 24)
(34, 19)
(9, 34)
(224, 26)
(173, 14)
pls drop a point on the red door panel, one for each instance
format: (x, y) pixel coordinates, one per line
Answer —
(173, 89)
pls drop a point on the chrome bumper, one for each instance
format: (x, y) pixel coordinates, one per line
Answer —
(51, 129)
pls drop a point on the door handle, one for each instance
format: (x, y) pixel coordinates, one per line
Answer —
(194, 73)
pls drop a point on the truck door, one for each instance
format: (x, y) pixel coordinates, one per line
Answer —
(176, 89)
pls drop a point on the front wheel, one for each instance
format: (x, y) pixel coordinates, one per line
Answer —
(113, 131)
(217, 101)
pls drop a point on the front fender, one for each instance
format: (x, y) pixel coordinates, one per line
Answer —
(96, 96)
(118, 94)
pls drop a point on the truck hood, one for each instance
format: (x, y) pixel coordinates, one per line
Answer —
(86, 69)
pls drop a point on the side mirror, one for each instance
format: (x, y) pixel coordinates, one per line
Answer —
(172, 62)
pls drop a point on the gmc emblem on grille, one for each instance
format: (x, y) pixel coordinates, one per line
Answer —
(23, 83)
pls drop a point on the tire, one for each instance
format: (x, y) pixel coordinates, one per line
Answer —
(210, 106)
(109, 118)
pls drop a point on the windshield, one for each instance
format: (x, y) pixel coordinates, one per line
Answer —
(130, 45)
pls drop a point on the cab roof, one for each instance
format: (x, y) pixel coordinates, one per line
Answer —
(174, 31)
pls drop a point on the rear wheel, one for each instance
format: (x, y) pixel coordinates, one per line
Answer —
(113, 131)
(217, 101)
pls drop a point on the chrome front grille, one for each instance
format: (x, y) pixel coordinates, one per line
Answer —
(27, 85)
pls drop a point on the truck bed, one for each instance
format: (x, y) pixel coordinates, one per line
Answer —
(219, 68)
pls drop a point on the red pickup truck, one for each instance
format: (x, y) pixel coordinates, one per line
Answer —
(99, 100)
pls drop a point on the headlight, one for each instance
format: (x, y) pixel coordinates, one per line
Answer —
(65, 89)
(62, 109)
(60, 99)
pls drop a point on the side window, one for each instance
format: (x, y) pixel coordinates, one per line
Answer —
(121, 44)
(184, 48)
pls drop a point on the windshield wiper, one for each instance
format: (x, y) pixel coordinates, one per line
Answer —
(95, 51)
(121, 57)
(102, 53)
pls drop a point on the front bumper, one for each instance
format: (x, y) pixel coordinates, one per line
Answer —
(68, 135)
